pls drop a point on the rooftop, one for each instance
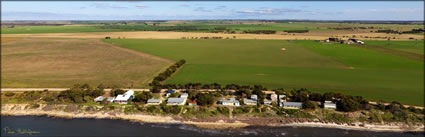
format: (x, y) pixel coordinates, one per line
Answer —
(176, 100)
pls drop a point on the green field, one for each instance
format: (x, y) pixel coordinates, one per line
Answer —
(304, 64)
(416, 47)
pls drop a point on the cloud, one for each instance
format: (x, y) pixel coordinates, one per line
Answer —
(141, 6)
(202, 9)
(107, 6)
(184, 5)
(220, 7)
(269, 11)
(83, 7)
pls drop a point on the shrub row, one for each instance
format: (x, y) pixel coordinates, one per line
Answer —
(167, 73)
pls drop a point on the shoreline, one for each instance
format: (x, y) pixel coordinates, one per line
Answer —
(20, 110)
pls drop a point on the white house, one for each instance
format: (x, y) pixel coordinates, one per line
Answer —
(184, 95)
(176, 101)
(249, 101)
(123, 98)
(230, 102)
(254, 97)
(291, 105)
(99, 99)
(329, 105)
(273, 97)
(154, 101)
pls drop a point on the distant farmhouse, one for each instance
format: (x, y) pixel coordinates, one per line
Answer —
(349, 41)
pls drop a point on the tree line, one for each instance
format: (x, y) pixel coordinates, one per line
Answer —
(167, 73)
(296, 31)
(260, 31)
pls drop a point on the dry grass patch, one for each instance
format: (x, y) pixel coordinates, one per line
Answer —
(8, 39)
(41, 62)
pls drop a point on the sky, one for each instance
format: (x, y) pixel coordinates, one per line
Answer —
(179, 10)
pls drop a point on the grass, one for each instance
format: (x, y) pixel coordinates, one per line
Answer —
(304, 64)
(416, 47)
(49, 63)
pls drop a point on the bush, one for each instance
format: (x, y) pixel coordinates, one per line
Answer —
(34, 106)
(171, 109)
(9, 94)
(204, 99)
(223, 110)
(167, 73)
(143, 97)
(309, 105)
(348, 104)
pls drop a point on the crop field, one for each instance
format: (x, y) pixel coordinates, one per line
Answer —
(53, 29)
(321, 67)
(58, 63)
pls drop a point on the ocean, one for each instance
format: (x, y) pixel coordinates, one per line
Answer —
(49, 126)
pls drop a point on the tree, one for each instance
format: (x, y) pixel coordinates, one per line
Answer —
(116, 92)
(279, 91)
(143, 97)
(175, 94)
(204, 99)
(308, 105)
(156, 89)
(300, 97)
(260, 94)
(348, 104)
(315, 97)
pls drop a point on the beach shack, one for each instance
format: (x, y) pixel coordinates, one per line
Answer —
(254, 97)
(123, 98)
(329, 105)
(230, 102)
(273, 97)
(249, 101)
(176, 101)
(291, 105)
(153, 101)
(192, 102)
(184, 95)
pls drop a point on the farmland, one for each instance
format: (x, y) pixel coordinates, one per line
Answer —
(56, 62)
(321, 67)
(389, 66)
(210, 26)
